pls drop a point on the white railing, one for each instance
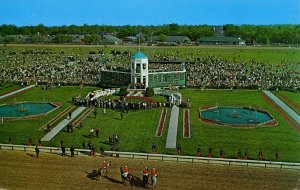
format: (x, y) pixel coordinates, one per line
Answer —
(192, 159)
(162, 157)
(42, 149)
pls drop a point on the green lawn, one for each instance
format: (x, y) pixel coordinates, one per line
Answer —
(137, 129)
(22, 130)
(281, 138)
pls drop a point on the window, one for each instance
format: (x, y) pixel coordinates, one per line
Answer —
(138, 68)
(181, 76)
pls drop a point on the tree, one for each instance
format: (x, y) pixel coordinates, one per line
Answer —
(162, 38)
(91, 39)
(8, 39)
(123, 91)
(35, 39)
(149, 92)
(62, 38)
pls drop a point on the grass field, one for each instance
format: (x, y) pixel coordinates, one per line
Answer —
(137, 129)
(21, 170)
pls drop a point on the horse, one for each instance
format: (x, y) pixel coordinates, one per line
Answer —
(154, 179)
(103, 171)
(145, 180)
(128, 177)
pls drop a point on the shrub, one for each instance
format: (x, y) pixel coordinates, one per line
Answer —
(149, 92)
(123, 91)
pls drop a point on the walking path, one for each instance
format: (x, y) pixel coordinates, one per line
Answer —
(173, 125)
(62, 124)
(16, 92)
(283, 106)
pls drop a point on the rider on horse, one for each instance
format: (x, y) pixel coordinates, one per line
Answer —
(154, 177)
(145, 176)
(125, 172)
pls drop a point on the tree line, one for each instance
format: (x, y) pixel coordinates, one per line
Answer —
(253, 34)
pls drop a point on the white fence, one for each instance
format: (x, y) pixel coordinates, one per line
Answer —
(192, 159)
(41, 148)
(162, 157)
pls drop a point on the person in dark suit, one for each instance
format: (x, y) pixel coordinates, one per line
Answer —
(37, 151)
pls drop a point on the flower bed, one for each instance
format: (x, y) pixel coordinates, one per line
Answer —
(9, 91)
(16, 94)
(56, 117)
(282, 113)
(295, 106)
(144, 99)
(186, 124)
(161, 123)
(82, 117)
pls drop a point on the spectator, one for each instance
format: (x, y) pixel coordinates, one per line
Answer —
(63, 150)
(221, 153)
(37, 151)
(72, 151)
(198, 151)
(239, 154)
(97, 132)
(246, 154)
(9, 140)
(209, 152)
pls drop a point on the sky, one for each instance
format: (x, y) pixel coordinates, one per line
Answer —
(148, 12)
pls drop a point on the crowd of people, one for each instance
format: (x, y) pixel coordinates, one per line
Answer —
(40, 67)
(217, 73)
(202, 69)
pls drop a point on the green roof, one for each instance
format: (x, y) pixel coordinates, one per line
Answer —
(139, 55)
(221, 39)
(176, 39)
(111, 39)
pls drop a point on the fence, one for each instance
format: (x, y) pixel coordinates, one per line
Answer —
(163, 157)
(42, 149)
(192, 159)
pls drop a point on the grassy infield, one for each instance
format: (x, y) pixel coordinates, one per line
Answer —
(137, 129)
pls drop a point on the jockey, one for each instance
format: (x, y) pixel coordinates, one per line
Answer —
(126, 170)
(154, 177)
(104, 165)
(145, 172)
(154, 173)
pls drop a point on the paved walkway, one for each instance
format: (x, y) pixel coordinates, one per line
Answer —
(16, 92)
(173, 125)
(62, 124)
(283, 106)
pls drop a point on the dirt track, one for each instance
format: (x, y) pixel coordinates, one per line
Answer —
(21, 170)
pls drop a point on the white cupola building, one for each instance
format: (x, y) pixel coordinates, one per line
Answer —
(139, 69)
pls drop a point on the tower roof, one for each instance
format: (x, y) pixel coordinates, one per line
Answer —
(139, 55)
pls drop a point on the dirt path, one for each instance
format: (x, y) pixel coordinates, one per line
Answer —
(20, 170)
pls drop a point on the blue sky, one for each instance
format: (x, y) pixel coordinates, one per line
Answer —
(148, 12)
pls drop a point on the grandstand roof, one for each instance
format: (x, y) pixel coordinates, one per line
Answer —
(139, 55)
